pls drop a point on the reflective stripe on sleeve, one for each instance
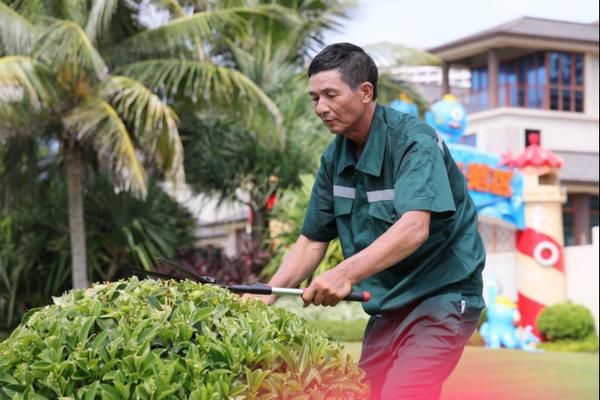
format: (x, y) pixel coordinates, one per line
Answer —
(380, 195)
(343, 191)
(440, 142)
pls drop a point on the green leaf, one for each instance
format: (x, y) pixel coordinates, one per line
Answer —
(85, 328)
(108, 392)
(6, 378)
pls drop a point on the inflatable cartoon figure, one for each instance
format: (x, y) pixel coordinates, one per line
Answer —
(405, 105)
(448, 117)
(500, 329)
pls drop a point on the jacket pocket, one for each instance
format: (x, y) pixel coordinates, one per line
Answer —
(342, 206)
(383, 211)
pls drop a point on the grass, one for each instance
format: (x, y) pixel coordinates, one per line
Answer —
(589, 345)
(517, 375)
(345, 331)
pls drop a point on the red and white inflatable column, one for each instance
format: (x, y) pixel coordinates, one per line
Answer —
(540, 261)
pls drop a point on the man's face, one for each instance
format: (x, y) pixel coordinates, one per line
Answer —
(338, 106)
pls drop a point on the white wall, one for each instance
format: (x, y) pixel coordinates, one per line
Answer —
(502, 129)
(581, 272)
(223, 236)
(591, 84)
(501, 267)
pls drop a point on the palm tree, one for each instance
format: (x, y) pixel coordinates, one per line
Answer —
(274, 58)
(389, 57)
(90, 79)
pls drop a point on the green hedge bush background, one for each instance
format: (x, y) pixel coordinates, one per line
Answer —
(566, 321)
(171, 340)
(568, 327)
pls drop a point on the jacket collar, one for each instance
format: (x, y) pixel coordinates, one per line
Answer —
(371, 159)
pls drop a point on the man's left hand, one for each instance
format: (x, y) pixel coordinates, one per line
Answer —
(328, 289)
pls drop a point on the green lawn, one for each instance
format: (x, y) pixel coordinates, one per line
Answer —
(517, 375)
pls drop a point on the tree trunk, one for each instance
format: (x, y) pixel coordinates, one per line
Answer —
(76, 222)
(259, 228)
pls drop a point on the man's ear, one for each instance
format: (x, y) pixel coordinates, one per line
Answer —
(366, 91)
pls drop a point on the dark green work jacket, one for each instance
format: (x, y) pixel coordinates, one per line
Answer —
(404, 166)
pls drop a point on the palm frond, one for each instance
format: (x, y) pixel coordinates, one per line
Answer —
(268, 67)
(172, 6)
(153, 122)
(22, 78)
(76, 11)
(324, 16)
(389, 88)
(96, 122)
(204, 81)
(17, 34)
(99, 18)
(387, 55)
(181, 31)
(28, 9)
(65, 42)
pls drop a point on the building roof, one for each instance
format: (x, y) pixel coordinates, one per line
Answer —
(527, 28)
(579, 167)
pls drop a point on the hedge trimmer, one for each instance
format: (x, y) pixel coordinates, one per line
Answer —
(258, 288)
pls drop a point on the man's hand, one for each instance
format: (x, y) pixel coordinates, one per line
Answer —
(267, 299)
(328, 289)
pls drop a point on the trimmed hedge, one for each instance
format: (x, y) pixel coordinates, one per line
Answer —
(171, 340)
(566, 321)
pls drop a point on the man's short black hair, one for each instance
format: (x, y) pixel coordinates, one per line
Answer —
(354, 64)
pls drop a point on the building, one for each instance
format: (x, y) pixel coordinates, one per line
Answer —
(222, 225)
(538, 76)
(535, 75)
(419, 68)
(428, 79)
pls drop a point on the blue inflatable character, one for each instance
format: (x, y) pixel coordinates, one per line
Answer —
(500, 329)
(405, 104)
(448, 117)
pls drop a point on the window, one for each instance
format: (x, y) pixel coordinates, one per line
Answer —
(543, 80)
(529, 132)
(496, 238)
(521, 82)
(469, 140)
(478, 99)
(593, 213)
(580, 214)
(565, 81)
(569, 222)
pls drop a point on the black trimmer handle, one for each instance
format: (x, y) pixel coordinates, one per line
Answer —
(356, 295)
(259, 288)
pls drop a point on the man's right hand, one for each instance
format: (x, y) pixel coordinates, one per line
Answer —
(267, 299)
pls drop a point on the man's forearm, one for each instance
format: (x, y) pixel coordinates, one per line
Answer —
(299, 263)
(401, 240)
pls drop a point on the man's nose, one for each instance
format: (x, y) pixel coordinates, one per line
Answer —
(321, 107)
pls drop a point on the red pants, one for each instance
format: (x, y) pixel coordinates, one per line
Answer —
(409, 354)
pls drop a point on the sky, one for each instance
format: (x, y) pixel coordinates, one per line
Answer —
(428, 23)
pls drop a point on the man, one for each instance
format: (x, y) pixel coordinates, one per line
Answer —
(388, 187)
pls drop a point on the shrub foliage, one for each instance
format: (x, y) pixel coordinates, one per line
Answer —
(171, 340)
(566, 321)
